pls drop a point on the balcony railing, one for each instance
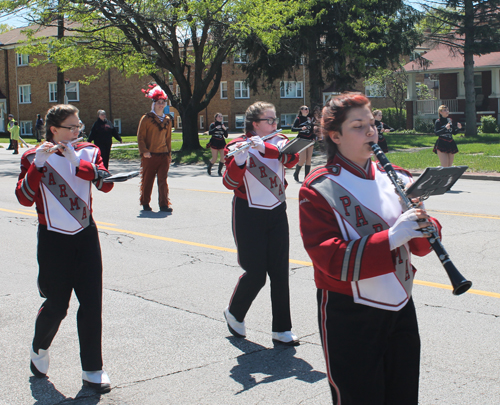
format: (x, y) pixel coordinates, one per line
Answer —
(422, 107)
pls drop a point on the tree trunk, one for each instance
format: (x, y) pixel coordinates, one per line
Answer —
(470, 93)
(60, 74)
(315, 77)
(190, 139)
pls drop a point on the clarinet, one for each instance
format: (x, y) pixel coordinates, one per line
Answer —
(459, 283)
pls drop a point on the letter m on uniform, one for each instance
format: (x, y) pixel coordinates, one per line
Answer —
(74, 203)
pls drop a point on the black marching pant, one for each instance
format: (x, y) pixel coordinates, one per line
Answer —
(262, 240)
(372, 355)
(67, 263)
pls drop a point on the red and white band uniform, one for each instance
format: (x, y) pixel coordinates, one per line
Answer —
(69, 253)
(260, 227)
(364, 288)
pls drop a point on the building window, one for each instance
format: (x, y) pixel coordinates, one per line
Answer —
(223, 89)
(179, 122)
(291, 89)
(53, 92)
(26, 128)
(239, 120)
(202, 121)
(177, 90)
(374, 90)
(72, 91)
(25, 94)
(225, 120)
(240, 57)
(241, 90)
(22, 60)
(287, 120)
(117, 123)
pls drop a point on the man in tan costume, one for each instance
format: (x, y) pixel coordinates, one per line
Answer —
(154, 137)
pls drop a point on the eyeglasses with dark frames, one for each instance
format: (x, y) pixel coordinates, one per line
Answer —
(270, 121)
(304, 108)
(72, 128)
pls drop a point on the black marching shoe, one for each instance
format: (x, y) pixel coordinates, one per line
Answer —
(166, 208)
(221, 165)
(97, 380)
(146, 207)
(209, 168)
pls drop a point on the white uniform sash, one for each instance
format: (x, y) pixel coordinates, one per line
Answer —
(67, 198)
(264, 178)
(374, 208)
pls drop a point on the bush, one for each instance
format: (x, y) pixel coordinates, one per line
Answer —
(425, 126)
(390, 117)
(489, 125)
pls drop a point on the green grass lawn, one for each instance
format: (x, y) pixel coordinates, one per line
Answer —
(481, 153)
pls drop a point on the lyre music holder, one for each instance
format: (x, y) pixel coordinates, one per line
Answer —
(435, 181)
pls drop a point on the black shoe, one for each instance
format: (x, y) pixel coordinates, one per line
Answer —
(221, 165)
(99, 388)
(296, 174)
(166, 208)
(15, 153)
(209, 168)
(146, 208)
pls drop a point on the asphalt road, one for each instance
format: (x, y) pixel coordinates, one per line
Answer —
(168, 277)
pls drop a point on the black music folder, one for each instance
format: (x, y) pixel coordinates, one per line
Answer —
(435, 181)
(297, 145)
(115, 178)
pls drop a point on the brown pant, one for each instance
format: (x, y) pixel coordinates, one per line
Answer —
(157, 165)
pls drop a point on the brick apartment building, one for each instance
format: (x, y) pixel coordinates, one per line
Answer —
(27, 90)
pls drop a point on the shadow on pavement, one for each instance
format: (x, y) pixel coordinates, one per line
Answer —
(261, 365)
(45, 393)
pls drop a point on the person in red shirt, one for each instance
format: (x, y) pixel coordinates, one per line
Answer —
(58, 182)
(260, 223)
(360, 242)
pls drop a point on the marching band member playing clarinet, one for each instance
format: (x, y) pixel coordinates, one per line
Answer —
(260, 223)
(360, 243)
(59, 183)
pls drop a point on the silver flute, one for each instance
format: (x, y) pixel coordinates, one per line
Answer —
(53, 149)
(248, 144)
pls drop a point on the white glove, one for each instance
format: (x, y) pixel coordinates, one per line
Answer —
(405, 229)
(41, 154)
(241, 157)
(258, 143)
(70, 154)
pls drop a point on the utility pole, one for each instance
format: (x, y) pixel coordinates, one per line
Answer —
(60, 75)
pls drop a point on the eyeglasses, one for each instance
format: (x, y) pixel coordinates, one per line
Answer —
(270, 121)
(304, 108)
(161, 101)
(72, 128)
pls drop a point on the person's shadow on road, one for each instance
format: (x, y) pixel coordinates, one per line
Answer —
(46, 393)
(274, 364)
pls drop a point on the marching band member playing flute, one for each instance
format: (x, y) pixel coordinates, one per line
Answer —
(360, 243)
(58, 182)
(260, 223)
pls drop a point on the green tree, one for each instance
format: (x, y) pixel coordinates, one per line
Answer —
(5, 28)
(468, 28)
(188, 40)
(339, 41)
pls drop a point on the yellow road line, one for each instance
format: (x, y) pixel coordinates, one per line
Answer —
(300, 262)
(34, 214)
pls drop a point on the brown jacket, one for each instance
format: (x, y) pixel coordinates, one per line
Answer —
(154, 136)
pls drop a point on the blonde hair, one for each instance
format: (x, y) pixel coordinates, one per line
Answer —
(254, 112)
(442, 107)
(376, 112)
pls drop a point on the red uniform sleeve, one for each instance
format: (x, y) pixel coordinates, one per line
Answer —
(90, 172)
(28, 183)
(336, 260)
(288, 160)
(233, 176)
(421, 246)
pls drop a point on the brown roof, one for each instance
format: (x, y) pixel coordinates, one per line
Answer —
(440, 58)
(17, 35)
